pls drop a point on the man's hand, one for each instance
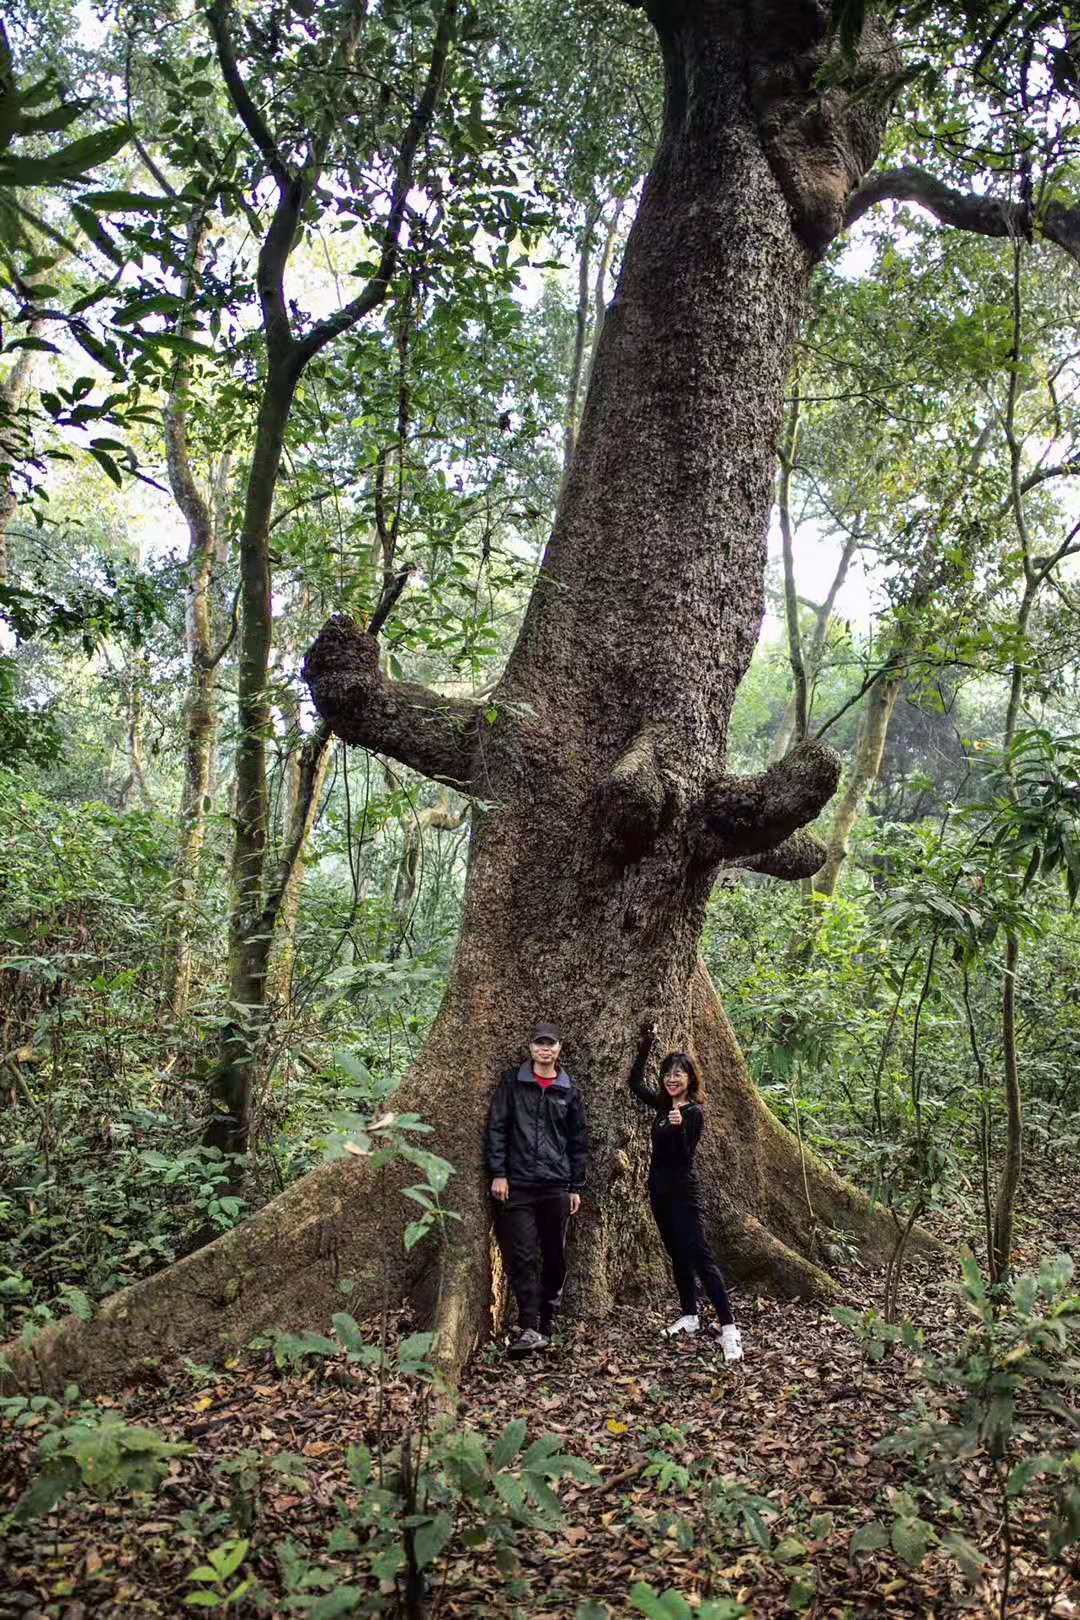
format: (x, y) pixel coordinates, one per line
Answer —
(500, 1189)
(575, 1203)
(675, 1117)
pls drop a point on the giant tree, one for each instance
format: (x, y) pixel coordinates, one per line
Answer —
(603, 808)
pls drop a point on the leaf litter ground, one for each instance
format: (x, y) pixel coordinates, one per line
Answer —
(795, 1424)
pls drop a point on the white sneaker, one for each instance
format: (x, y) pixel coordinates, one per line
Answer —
(685, 1324)
(731, 1342)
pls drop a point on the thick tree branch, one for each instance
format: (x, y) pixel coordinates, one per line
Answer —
(433, 734)
(753, 815)
(967, 211)
(249, 115)
(377, 287)
(800, 856)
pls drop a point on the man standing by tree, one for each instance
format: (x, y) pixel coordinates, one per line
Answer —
(537, 1146)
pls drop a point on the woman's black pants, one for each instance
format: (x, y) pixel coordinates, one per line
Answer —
(678, 1219)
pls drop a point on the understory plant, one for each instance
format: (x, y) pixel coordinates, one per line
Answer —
(1003, 1400)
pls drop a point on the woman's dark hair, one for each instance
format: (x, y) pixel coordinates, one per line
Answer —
(695, 1091)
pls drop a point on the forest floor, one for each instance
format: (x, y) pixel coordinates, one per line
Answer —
(797, 1424)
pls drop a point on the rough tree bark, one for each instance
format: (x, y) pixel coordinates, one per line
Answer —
(586, 902)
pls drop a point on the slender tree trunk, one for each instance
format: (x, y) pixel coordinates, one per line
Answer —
(785, 732)
(13, 391)
(585, 898)
(252, 907)
(1009, 1180)
(439, 817)
(869, 751)
(200, 710)
(581, 324)
(134, 786)
(931, 575)
(791, 595)
(305, 777)
(603, 270)
(249, 939)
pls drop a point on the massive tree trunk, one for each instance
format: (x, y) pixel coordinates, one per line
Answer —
(604, 808)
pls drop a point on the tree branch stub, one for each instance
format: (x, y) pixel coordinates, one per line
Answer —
(753, 816)
(798, 857)
(432, 734)
(635, 798)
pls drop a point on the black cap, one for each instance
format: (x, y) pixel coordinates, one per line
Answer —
(546, 1032)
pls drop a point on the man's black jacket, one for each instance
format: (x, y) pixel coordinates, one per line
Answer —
(537, 1133)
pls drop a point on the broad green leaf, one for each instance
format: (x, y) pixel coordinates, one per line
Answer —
(968, 1556)
(70, 163)
(106, 462)
(509, 1442)
(872, 1537)
(511, 1490)
(430, 1539)
(345, 1600)
(803, 1590)
(43, 1494)
(911, 1540)
(413, 1351)
(229, 1556)
(127, 202)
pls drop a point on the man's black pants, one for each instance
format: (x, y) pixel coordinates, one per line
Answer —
(532, 1219)
(678, 1217)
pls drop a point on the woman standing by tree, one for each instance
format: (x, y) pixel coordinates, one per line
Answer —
(676, 1131)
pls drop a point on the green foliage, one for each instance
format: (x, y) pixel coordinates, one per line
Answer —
(454, 1487)
(876, 1335)
(671, 1605)
(213, 1589)
(1001, 1397)
(29, 110)
(28, 736)
(97, 1451)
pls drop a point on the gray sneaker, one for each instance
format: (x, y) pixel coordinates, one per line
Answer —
(526, 1342)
